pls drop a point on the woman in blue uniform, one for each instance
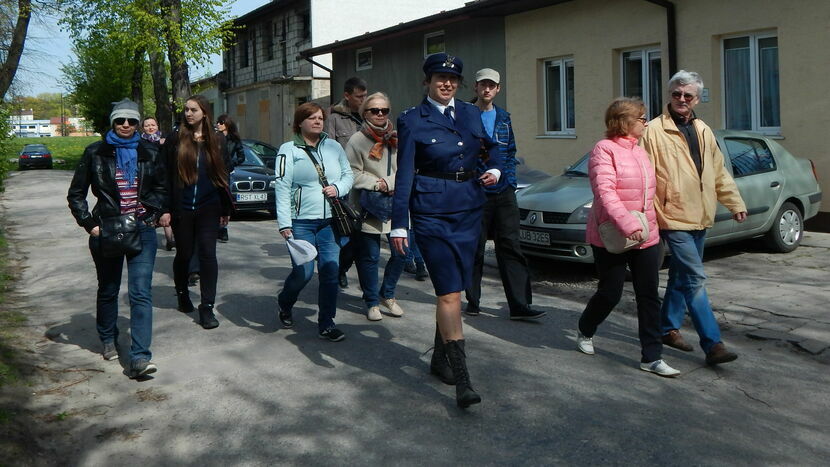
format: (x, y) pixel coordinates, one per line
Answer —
(439, 189)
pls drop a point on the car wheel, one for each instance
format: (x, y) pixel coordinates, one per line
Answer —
(787, 229)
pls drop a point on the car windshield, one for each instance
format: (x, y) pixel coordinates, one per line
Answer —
(251, 158)
(35, 148)
(580, 168)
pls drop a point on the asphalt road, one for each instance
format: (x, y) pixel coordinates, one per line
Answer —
(251, 393)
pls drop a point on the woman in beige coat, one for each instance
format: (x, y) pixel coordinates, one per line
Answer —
(372, 153)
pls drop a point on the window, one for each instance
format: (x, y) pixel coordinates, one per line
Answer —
(243, 52)
(305, 25)
(749, 156)
(751, 86)
(559, 96)
(434, 43)
(641, 77)
(268, 33)
(363, 59)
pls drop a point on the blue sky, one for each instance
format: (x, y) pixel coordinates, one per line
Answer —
(48, 48)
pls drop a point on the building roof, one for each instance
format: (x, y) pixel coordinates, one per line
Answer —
(267, 9)
(473, 9)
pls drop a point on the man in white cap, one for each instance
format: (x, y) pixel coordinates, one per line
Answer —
(501, 213)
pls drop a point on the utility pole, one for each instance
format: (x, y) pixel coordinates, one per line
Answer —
(63, 122)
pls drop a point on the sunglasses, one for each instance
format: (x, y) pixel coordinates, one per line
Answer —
(678, 95)
(121, 120)
(377, 111)
(642, 120)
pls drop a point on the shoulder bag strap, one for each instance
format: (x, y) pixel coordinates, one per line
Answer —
(323, 180)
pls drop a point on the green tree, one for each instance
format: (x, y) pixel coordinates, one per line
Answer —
(99, 78)
(156, 27)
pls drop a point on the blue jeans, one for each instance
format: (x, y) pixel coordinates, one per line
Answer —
(686, 288)
(413, 253)
(319, 233)
(367, 259)
(139, 283)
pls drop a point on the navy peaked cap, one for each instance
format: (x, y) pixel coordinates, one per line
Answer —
(443, 63)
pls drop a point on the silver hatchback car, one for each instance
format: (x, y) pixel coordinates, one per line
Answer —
(780, 192)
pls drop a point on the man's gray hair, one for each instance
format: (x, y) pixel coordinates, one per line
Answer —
(683, 78)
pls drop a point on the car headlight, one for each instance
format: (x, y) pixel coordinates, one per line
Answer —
(580, 215)
(273, 184)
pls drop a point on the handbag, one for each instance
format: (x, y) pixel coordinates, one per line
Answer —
(378, 203)
(613, 239)
(119, 236)
(345, 220)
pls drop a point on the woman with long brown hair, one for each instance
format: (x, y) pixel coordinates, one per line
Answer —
(200, 202)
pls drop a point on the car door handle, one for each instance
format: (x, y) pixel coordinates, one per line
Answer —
(774, 185)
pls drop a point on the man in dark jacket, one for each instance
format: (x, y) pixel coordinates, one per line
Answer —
(501, 213)
(342, 122)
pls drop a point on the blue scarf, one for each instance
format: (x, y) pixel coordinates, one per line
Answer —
(126, 155)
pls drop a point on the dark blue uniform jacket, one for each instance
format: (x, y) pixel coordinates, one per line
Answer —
(429, 142)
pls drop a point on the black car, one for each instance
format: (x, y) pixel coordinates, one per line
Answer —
(252, 184)
(265, 151)
(34, 156)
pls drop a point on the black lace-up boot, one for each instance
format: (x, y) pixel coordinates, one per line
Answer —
(465, 395)
(439, 365)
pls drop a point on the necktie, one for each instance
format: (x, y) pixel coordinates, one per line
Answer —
(448, 112)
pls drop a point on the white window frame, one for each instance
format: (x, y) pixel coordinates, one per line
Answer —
(357, 53)
(755, 112)
(563, 63)
(430, 36)
(645, 70)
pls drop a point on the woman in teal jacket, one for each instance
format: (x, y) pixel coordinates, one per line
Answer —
(304, 213)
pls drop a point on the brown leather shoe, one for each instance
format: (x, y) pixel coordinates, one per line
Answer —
(674, 339)
(719, 354)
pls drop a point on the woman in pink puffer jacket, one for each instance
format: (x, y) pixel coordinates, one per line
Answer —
(622, 179)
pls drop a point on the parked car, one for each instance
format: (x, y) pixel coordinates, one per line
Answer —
(265, 151)
(252, 184)
(34, 156)
(780, 192)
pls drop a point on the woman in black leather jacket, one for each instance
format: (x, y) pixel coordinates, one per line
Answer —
(233, 153)
(127, 175)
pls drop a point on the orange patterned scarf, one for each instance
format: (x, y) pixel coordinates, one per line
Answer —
(381, 137)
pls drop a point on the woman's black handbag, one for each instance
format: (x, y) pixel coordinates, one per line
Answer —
(344, 219)
(119, 236)
(376, 203)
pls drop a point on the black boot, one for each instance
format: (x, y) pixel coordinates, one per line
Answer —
(465, 395)
(185, 305)
(206, 317)
(421, 272)
(439, 365)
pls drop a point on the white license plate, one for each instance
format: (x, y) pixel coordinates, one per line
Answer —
(252, 197)
(532, 236)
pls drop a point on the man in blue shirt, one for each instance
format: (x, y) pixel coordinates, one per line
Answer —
(501, 213)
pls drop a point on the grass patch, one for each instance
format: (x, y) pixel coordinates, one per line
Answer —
(68, 148)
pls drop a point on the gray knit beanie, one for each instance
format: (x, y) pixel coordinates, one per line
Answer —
(124, 108)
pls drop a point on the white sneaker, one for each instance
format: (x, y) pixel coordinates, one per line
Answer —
(374, 314)
(659, 367)
(392, 305)
(584, 344)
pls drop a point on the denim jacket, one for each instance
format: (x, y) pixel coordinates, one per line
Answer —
(506, 143)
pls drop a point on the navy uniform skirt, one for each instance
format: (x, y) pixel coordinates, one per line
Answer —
(448, 243)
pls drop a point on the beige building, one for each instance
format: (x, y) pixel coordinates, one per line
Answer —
(763, 63)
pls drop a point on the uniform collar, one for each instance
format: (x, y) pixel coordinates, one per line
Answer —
(440, 106)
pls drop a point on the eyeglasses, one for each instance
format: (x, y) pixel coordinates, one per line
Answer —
(220, 123)
(377, 111)
(642, 120)
(678, 95)
(121, 120)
